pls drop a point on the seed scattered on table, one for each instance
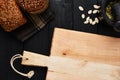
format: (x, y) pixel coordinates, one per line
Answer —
(96, 6)
(93, 23)
(90, 20)
(90, 12)
(95, 11)
(83, 16)
(96, 20)
(86, 22)
(81, 8)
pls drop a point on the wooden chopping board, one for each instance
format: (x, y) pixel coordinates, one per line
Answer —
(79, 56)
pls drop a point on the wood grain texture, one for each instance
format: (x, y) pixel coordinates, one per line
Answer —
(62, 68)
(80, 45)
(75, 55)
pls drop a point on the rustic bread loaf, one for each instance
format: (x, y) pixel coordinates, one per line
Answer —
(10, 15)
(34, 6)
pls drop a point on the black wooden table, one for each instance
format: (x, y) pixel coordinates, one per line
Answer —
(68, 16)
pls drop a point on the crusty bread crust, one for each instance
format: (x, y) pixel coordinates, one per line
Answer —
(34, 6)
(10, 15)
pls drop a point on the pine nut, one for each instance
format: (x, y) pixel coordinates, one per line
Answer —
(96, 6)
(90, 12)
(86, 22)
(93, 23)
(95, 11)
(96, 20)
(81, 8)
(83, 16)
(88, 18)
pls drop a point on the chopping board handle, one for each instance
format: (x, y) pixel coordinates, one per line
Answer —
(32, 59)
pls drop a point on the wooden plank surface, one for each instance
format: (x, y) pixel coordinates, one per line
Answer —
(74, 69)
(77, 54)
(73, 44)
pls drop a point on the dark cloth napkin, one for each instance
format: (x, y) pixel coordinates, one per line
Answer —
(35, 23)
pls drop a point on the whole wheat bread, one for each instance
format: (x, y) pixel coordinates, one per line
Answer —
(34, 6)
(10, 15)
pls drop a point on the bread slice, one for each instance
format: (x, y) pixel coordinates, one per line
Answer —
(10, 15)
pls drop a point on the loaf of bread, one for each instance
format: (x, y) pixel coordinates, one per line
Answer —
(10, 15)
(34, 6)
